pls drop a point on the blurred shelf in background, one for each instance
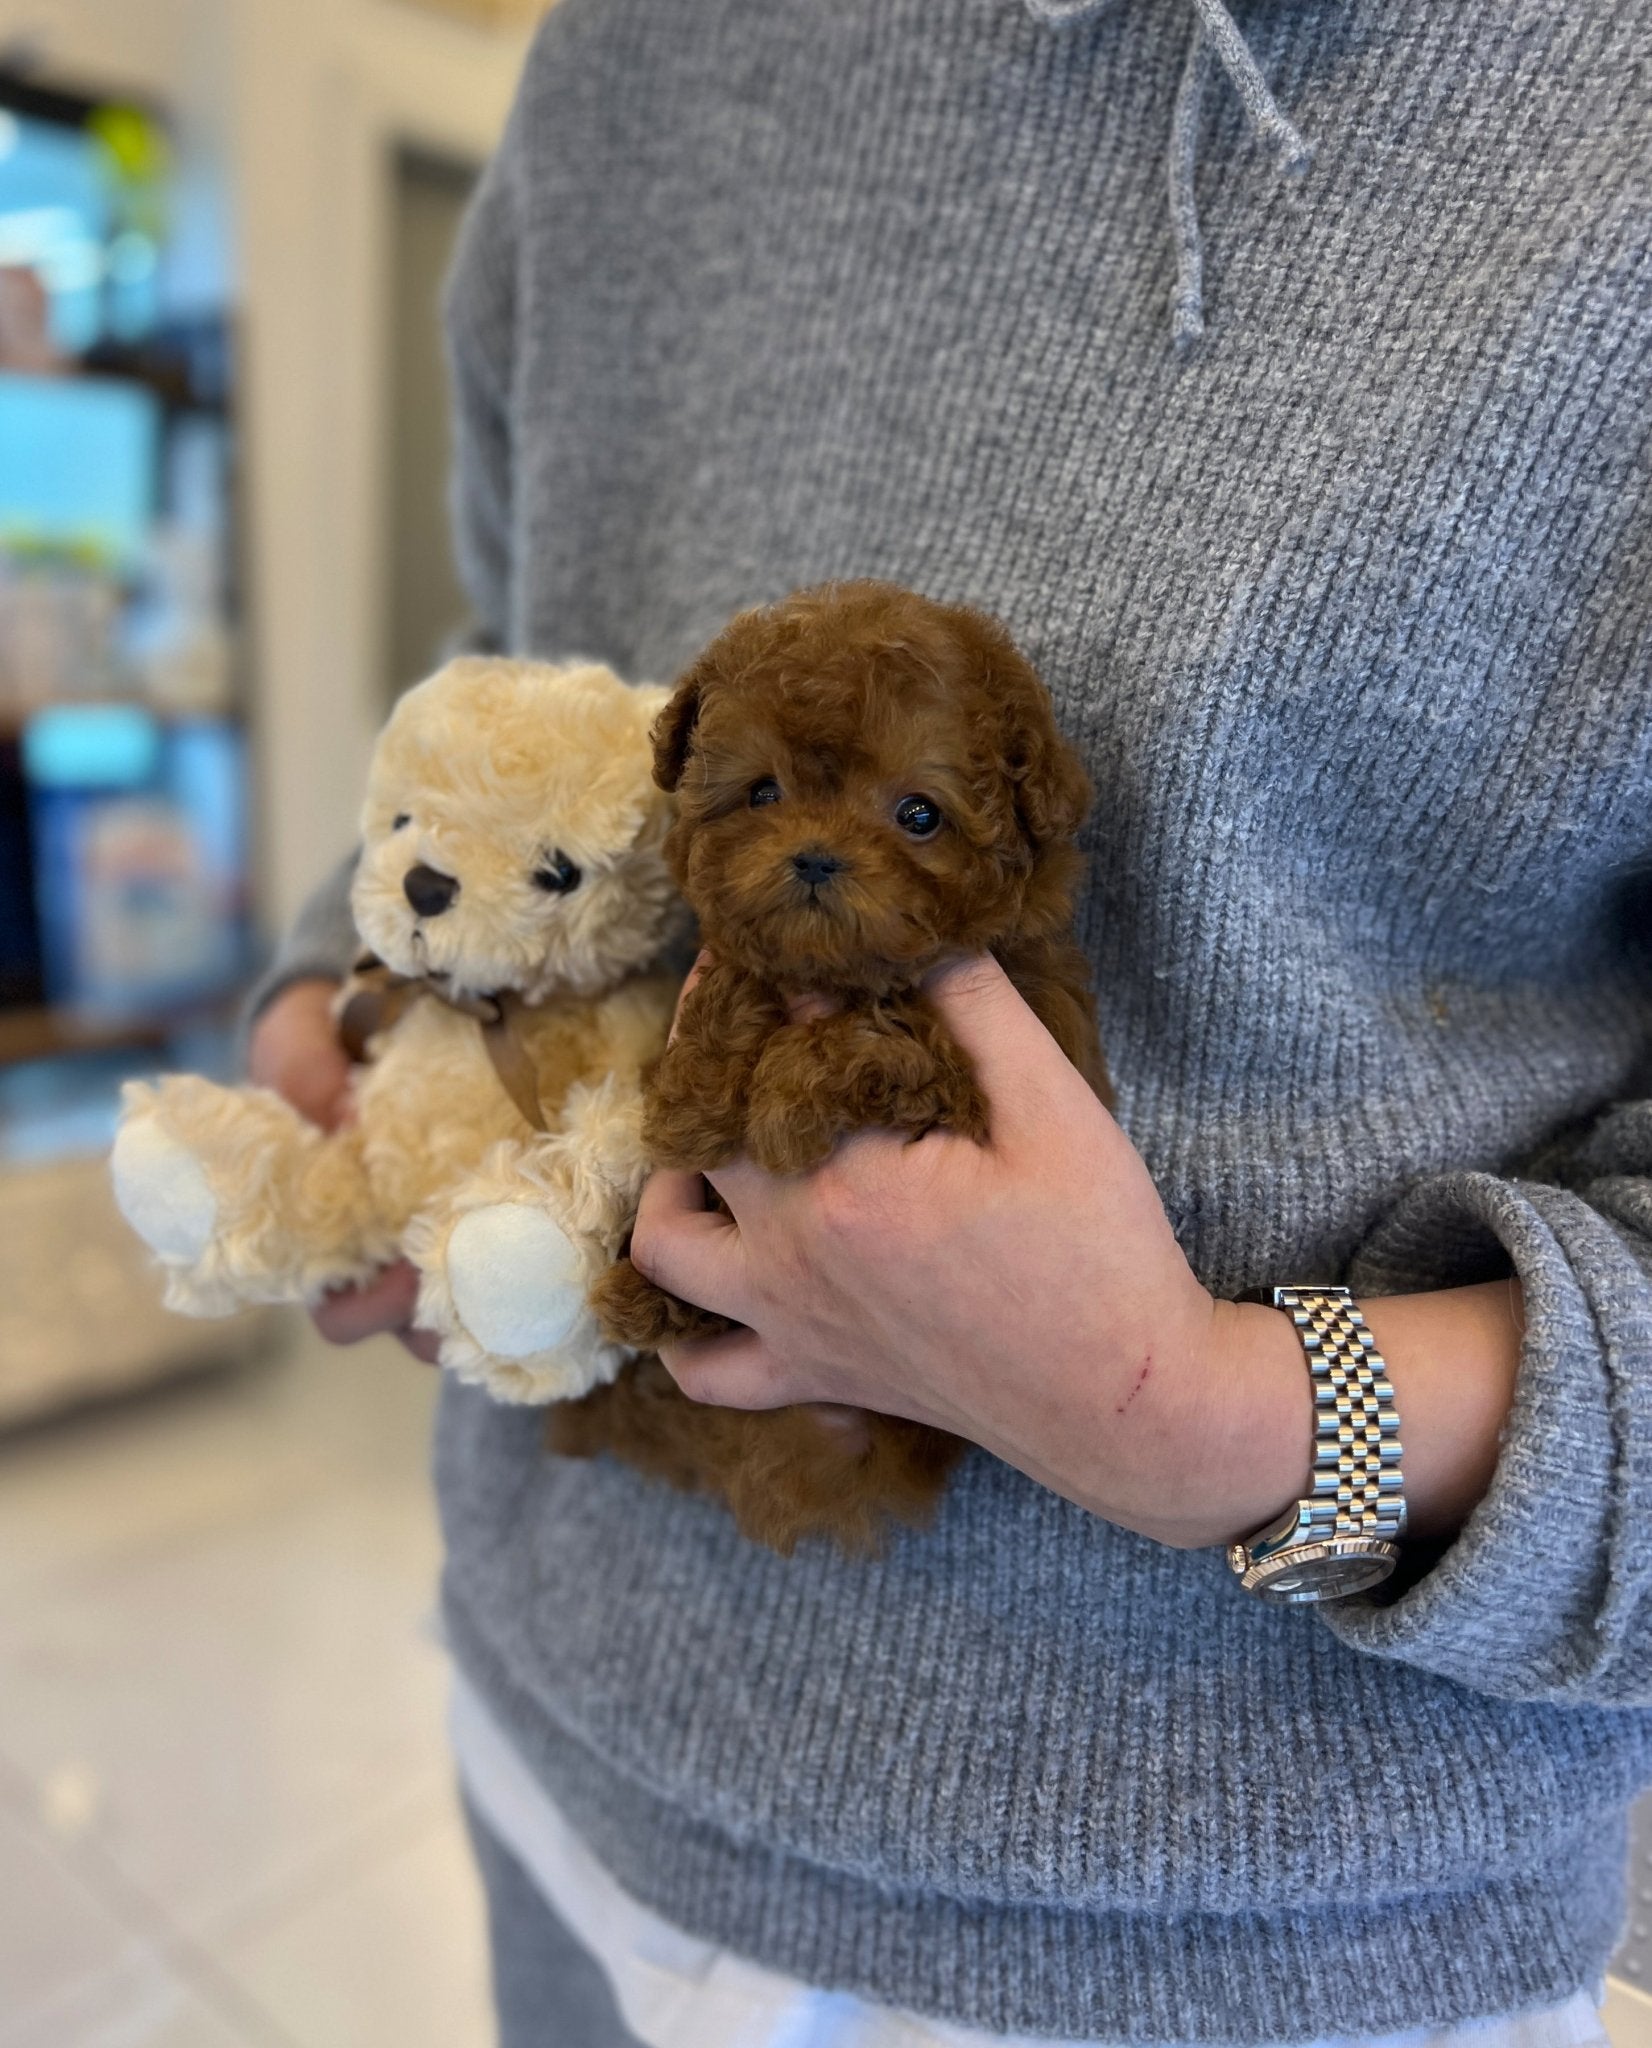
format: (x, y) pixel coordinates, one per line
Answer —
(41, 1032)
(125, 898)
(80, 1303)
(495, 14)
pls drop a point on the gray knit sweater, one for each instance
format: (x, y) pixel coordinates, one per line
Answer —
(1348, 600)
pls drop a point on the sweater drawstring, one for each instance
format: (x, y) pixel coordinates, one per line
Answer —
(1215, 37)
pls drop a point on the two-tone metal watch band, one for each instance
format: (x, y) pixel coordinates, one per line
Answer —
(1344, 1535)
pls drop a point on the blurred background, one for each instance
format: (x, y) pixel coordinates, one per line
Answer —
(225, 1811)
(226, 1818)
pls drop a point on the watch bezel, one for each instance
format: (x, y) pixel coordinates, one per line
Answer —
(1256, 1574)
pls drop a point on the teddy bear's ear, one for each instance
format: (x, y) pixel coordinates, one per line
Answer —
(673, 734)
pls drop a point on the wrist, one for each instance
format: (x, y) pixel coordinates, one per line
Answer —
(1452, 1358)
(1255, 1454)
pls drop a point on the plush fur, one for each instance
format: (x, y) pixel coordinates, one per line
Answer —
(793, 745)
(497, 777)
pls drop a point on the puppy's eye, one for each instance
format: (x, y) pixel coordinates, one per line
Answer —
(917, 815)
(559, 876)
(765, 792)
(399, 820)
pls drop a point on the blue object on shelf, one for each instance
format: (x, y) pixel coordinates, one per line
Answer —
(139, 856)
(81, 462)
(55, 218)
(92, 746)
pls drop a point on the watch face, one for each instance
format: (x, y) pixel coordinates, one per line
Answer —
(1323, 1571)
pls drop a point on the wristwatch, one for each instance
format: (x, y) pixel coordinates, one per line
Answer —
(1344, 1538)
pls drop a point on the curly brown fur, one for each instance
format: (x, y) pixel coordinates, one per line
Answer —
(786, 1474)
(625, 1302)
(796, 746)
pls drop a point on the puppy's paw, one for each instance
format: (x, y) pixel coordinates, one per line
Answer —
(809, 1089)
(161, 1187)
(636, 1313)
(693, 1136)
(961, 1107)
(790, 1137)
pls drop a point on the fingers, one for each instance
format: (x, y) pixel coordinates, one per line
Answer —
(803, 1009)
(736, 1371)
(1016, 1060)
(743, 1185)
(386, 1303)
(691, 1251)
(702, 960)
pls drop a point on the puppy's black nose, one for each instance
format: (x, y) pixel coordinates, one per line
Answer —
(428, 890)
(814, 867)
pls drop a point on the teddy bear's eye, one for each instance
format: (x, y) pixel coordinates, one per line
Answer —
(767, 791)
(558, 876)
(917, 815)
(399, 820)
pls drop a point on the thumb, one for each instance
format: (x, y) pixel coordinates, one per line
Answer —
(1016, 1061)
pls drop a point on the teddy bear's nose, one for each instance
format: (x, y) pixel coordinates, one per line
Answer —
(429, 890)
(815, 866)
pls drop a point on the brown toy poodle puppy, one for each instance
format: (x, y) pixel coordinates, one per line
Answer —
(868, 783)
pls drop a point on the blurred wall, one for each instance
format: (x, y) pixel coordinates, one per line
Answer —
(306, 104)
(426, 601)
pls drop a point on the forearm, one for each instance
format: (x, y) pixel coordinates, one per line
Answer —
(1452, 1358)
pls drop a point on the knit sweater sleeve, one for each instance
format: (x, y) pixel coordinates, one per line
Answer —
(1546, 1592)
(319, 947)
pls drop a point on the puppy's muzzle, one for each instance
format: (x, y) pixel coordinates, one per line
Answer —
(428, 890)
(814, 867)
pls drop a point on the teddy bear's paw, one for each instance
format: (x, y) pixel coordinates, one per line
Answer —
(516, 1279)
(563, 1374)
(162, 1190)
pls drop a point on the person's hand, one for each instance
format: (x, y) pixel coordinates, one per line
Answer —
(294, 1049)
(382, 1306)
(1027, 1294)
(1030, 1295)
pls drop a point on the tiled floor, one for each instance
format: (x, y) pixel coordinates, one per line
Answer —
(226, 1817)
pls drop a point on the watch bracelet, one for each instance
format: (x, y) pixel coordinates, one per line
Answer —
(1358, 1484)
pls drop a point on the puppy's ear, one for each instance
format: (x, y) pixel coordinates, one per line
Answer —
(724, 660)
(673, 735)
(1054, 791)
(1051, 789)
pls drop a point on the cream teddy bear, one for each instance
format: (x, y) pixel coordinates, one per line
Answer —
(513, 892)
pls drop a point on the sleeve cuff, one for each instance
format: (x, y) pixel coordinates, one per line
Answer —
(1542, 1594)
(320, 947)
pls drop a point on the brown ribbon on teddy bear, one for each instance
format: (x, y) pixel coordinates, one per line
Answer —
(375, 996)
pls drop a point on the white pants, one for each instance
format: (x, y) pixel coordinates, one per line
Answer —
(674, 1991)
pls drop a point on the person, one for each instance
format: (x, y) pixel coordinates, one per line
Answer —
(1280, 378)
